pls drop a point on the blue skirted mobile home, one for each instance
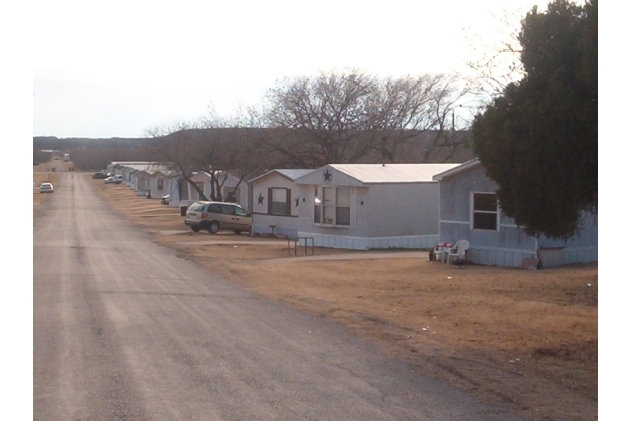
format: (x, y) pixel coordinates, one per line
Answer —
(469, 210)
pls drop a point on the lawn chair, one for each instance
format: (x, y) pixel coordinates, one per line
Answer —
(457, 252)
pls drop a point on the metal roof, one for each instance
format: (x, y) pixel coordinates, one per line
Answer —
(290, 174)
(458, 169)
(148, 167)
(393, 173)
(293, 174)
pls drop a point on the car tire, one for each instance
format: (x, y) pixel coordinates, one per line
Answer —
(196, 228)
(213, 228)
(237, 232)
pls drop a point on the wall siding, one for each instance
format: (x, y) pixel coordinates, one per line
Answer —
(414, 242)
(508, 246)
(402, 209)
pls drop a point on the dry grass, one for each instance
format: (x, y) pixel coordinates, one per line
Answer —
(526, 339)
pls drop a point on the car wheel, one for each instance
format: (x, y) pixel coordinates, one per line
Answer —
(237, 232)
(213, 228)
(196, 228)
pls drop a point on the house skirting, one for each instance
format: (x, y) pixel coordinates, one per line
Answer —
(496, 256)
(375, 243)
(548, 257)
(551, 257)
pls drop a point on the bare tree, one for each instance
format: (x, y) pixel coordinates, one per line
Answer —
(211, 145)
(498, 62)
(347, 117)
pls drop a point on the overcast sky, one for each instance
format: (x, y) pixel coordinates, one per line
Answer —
(119, 68)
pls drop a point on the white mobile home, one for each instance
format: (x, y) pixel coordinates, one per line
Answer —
(229, 185)
(469, 211)
(371, 206)
(276, 201)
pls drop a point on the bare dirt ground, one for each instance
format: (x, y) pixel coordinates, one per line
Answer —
(523, 339)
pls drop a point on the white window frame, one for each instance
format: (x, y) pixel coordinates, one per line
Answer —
(285, 204)
(319, 194)
(473, 211)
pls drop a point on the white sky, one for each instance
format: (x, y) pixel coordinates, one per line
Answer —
(116, 69)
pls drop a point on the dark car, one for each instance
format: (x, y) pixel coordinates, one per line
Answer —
(99, 176)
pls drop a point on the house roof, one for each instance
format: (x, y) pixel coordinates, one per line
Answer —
(458, 169)
(148, 167)
(291, 174)
(392, 173)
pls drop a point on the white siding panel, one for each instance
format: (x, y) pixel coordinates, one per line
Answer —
(358, 243)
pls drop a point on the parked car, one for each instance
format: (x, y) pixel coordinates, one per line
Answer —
(46, 188)
(99, 176)
(113, 180)
(118, 177)
(216, 216)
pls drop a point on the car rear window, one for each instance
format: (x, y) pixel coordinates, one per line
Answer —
(197, 207)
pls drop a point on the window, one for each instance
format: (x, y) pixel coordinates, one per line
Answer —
(227, 209)
(485, 211)
(332, 206)
(279, 202)
(240, 211)
(160, 183)
(197, 207)
(343, 206)
(317, 212)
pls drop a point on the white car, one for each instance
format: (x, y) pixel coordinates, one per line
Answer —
(113, 180)
(46, 188)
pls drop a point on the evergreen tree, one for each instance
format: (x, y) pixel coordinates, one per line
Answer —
(539, 140)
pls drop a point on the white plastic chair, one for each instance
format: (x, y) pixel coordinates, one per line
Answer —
(458, 250)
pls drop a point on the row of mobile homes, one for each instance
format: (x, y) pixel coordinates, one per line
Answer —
(158, 180)
(469, 210)
(378, 206)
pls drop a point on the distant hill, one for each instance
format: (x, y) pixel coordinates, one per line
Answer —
(92, 154)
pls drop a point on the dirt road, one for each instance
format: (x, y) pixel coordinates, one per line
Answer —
(124, 329)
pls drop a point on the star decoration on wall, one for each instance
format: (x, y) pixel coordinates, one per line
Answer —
(328, 176)
(297, 201)
(261, 198)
